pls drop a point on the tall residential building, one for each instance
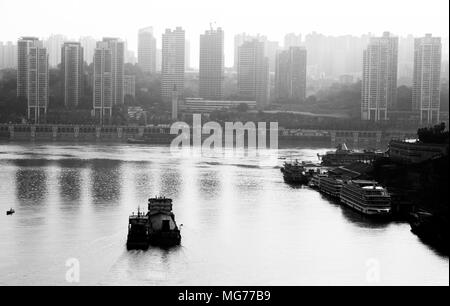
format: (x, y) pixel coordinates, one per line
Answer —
(53, 45)
(37, 92)
(8, 55)
(211, 73)
(23, 48)
(158, 60)
(379, 82)
(253, 73)
(129, 85)
(130, 57)
(239, 39)
(187, 55)
(72, 73)
(147, 50)
(427, 78)
(292, 40)
(117, 48)
(270, 51)
(445, 56)
(173, 65)
(290, 75)
(406, 59)
(89, 44)
(103, 82)
(332, 56)
(270, 48)
(174, 103)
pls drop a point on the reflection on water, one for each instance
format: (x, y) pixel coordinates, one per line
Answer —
(144, 182)
(209, 184)
(247, 183)
(31, 187)
(150, 268)
(171, 182)
(242, 224)
(355, 217)
(105, 179)
(70, 184)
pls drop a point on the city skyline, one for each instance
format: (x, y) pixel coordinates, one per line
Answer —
(232, 18)
(379, 72)
(266, 71)
(207, 145)
(352, 45)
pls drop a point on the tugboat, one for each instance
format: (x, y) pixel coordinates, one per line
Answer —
(294, 173)
(137, 231)
(10, 212)
(156, 227)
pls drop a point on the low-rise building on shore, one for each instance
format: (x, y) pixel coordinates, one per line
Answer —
(415, 151)
(202, 106)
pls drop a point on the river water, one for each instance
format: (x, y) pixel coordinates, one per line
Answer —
(242, 225)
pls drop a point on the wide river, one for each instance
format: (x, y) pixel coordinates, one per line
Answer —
(242, 225)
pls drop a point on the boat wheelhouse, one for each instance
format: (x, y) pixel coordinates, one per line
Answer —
(137, 231)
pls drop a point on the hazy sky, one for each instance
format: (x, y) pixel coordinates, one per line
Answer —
(273, 18)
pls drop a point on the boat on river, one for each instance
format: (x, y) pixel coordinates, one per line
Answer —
(294, 173)
(342, 156)
(367, 197)
(156, 227)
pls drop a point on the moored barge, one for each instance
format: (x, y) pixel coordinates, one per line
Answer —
(367, 197)
(343, 156)
(331, 186)
(294, 173)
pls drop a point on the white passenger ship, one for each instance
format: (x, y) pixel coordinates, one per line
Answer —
(367, 197)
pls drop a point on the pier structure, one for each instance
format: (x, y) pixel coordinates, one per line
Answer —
(356, 139)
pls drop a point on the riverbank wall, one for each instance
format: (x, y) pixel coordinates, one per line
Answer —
(161, 134)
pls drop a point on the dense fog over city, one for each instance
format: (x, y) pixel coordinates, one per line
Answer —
(272, 19)
(219, 143)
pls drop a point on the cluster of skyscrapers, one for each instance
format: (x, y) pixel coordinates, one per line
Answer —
(33, 75)
(260, 65)
(252, 66)
(379, 79)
